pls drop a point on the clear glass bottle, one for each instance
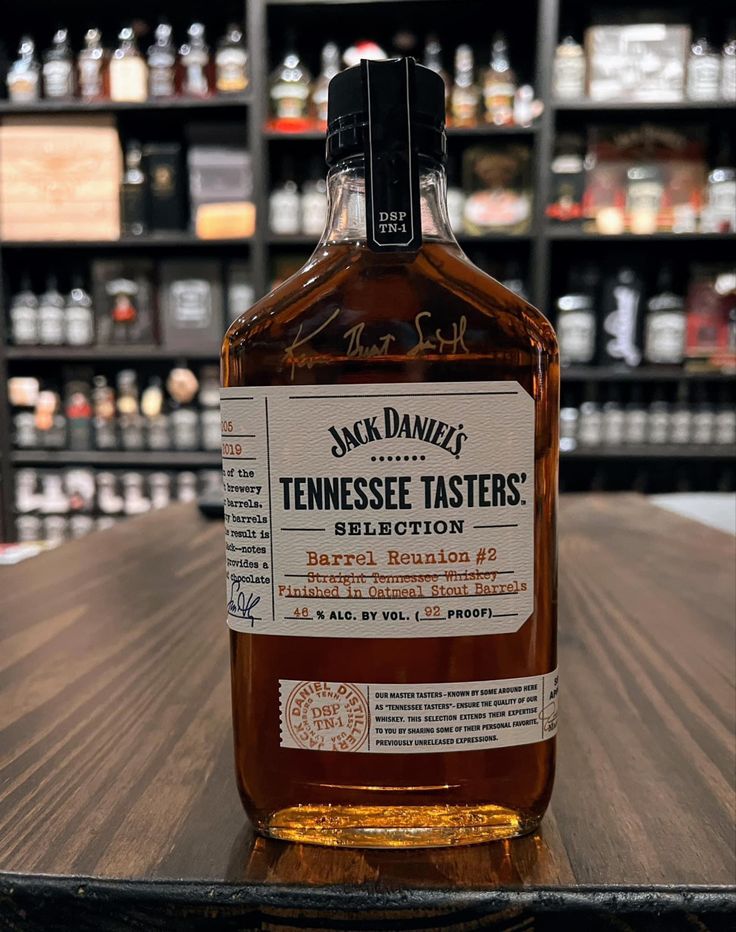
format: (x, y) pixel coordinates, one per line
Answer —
(635, 418)
(388, 316)
(681, 419)
(289, 91)
(569, 70)
(24, 315)
(231, 62)
(704, 418)
(24, 75)
(133, 193)
(433, 61)
(499, 85)
(313, 208)
(728, 63)
(79, 320)
(703, 68)
(664, 327)
(58, 68)
(128, 70)
(92, 67)
(194, 58)
(51, 315)
(658, 419)
(284, 204)
(162, 63)
(576, 319)
(330, 67)
(465, 97)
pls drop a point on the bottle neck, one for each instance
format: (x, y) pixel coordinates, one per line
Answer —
(346, 221)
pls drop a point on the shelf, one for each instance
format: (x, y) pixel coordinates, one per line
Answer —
(299, 239)
(641, 374)
(561, 234)
(112, 458)
(113, 106)
(149, 241)
(686, 106)
(482, 132)
(89, 353)
(655, 451)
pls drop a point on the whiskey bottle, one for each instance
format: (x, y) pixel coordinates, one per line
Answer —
(703, 68)
(465, 96)
(284, 204)
(330, 67)
(24, 75)
(576, 325)
(128, 70)
(51, 315)
(568, 70)
(385, 582)
(728, 63)
(162, 64)
(289, 92)
(314, 202)
(79, 325)
(133, 193)
(664, 328)
(24, 315)
(58, 68)
(195, 63)
(433, 61)
(92, 67)
(499, 85)
(231, 62)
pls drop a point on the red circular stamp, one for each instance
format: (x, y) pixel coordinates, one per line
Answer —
(327, 716)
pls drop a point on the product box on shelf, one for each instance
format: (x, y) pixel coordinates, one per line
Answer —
(643, 61)
(124, 301)
(166, 190)
(60, 178)
(220, 183)
(711, 316)
(191, 304)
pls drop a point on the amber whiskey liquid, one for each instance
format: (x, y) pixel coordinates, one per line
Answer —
(355, 317)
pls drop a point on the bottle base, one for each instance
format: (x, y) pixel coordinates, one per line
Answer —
(395, 826)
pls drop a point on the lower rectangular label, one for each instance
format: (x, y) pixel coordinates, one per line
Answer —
(417, 718)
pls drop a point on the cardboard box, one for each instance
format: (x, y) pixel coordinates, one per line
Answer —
(60, 178)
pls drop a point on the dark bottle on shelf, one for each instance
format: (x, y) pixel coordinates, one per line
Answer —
(681, 417)
(704, 417)
(51, 315)
(79, 323)
(664, 327)
(620, 341)
(92, 67)
(24, 76)
(724, 424)
(162, 64)
(194, 58)
(231, 62)
(330, 67)
(133, 193)
(78, 410)
(104, 421)
(50, 422)
(58, 68)
(658, 418)
(567, 182)
(613, 418)
(576, 325)
(24, 315)
(635, 418)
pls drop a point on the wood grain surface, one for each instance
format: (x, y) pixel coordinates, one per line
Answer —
(116, 770)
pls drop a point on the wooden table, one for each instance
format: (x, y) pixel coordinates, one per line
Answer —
(118, 807)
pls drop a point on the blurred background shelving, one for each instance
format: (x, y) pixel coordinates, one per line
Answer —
(604, 403)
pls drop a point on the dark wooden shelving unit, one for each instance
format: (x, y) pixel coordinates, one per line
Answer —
(654, 452)
(543, 247)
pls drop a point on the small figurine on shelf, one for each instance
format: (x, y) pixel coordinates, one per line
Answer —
(24, 75)
(92, 67)
(195, 63)
(231, 62)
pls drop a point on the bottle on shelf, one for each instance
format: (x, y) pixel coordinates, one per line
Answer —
(513, 279)
(78, 411)
(644, 193)
(590, 421)
(130, 420)
(681, 417)
(231, 62)
(79, 321)
(499, 85)
(665, 323)
(569, 70)
(524, 106)
(568, 179)
(289, 92)
(156, 420)
(613, 426)
(58, 68)
(314, 201)
(455, 197)
(128, 70)
(704, 417)
(658, 418)
(162, 63)
(728, 63)
(92, 67)
(194, 60)
(724, 422)
(576, 323)
(103, 411)
(433, 61)
(133, 193)
(635, 417)
(284, 203)
(330, 67)
(620, 341)
(719, 213)
(24, 75)
(51, 315)
(569, 416)
(24, 315)
(465, 96)
(703, 67)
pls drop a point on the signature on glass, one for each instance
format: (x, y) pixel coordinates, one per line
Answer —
(241, 604)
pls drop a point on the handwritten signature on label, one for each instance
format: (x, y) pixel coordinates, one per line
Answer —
(449, 341)
(242, 605)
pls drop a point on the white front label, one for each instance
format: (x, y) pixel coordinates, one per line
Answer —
(417, 718)
(379, 510)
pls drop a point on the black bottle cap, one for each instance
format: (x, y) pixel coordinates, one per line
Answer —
(347, 117)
